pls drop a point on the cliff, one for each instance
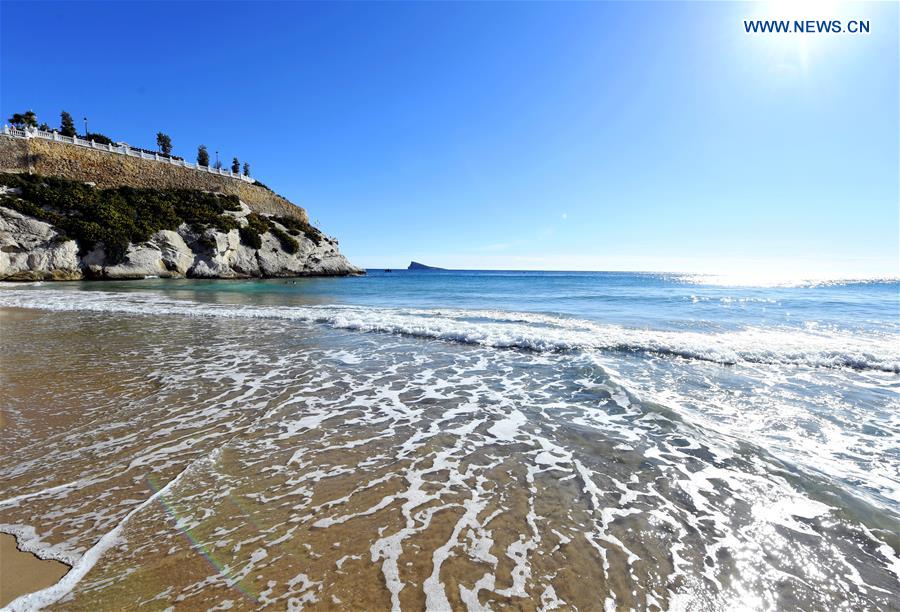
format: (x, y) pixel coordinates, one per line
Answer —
(106, 169)
(54, 229)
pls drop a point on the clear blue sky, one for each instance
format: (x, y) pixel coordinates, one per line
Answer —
(652, 136)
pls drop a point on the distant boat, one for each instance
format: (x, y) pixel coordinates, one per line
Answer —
(415, 265)
(388, 270)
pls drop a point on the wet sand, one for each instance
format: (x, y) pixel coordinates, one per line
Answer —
(22, 572)
(213, 463)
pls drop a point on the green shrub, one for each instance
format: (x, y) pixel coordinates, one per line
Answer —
(258, 223)
(296, 227)
(98, 138)
(250, 237)
(289, 244)
(263, 185)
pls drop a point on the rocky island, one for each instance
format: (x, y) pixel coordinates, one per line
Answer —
(71, 209)
(415, 265)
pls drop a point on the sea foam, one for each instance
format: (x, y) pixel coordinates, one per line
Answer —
(501, 329)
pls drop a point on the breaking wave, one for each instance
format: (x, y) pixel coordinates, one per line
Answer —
(502, 329)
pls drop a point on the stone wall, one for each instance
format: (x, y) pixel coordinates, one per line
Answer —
(13, 154)
(107, 169)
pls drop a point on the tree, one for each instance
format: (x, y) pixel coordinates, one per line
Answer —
(246, 169)
(98, 138)
(235, 166)
(44, 127)
(24, 120)
(66, 124)
(164, 143)
(202, 155)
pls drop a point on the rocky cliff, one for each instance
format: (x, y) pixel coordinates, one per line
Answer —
(238, 243)
(110, 170)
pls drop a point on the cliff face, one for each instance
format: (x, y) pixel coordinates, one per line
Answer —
(33, 250)
(105, 169)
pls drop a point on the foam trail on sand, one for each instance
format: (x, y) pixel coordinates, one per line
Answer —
(52, 594)
(24, 496)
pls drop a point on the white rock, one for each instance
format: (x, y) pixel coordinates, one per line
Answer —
(33, 250)
(165, 255)
(177, 257)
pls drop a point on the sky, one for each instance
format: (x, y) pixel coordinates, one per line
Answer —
(562, 136)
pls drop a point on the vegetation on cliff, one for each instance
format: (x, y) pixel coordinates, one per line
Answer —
(126, 215)
(123, 216)
(257, 225)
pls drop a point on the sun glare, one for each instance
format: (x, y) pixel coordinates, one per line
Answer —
(794, 52)
(803, 9)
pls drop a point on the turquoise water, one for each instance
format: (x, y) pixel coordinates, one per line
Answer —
(864, 313)
(656, 301)
(745, 439)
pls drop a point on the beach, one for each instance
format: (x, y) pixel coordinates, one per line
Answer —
(255, 443)
(22, 572)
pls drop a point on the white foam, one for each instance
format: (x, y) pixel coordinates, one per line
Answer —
(507, 428)
(28, 540)
(809, 347)
(50, 595)
(19, 498)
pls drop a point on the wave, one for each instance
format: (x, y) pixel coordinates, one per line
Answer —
(522, 330)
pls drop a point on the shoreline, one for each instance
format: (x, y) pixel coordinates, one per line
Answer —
(24, 572)
(198, 278)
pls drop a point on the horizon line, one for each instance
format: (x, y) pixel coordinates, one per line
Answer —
(850, 277)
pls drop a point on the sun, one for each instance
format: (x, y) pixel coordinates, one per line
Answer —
(793, 52)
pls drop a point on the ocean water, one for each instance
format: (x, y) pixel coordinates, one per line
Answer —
(466, 440)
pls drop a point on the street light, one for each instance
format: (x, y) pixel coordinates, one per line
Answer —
(85, 127)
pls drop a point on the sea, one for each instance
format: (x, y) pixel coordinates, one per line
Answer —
(455, 440)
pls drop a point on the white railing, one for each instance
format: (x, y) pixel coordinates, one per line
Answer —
(120, 148)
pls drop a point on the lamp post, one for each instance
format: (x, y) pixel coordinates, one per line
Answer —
(218, 165)
(85, 127)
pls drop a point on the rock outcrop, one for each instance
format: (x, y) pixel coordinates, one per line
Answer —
(415, 265)
(33, 250)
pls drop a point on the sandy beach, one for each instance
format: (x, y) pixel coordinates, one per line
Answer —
(236, 461)
(23, 572)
